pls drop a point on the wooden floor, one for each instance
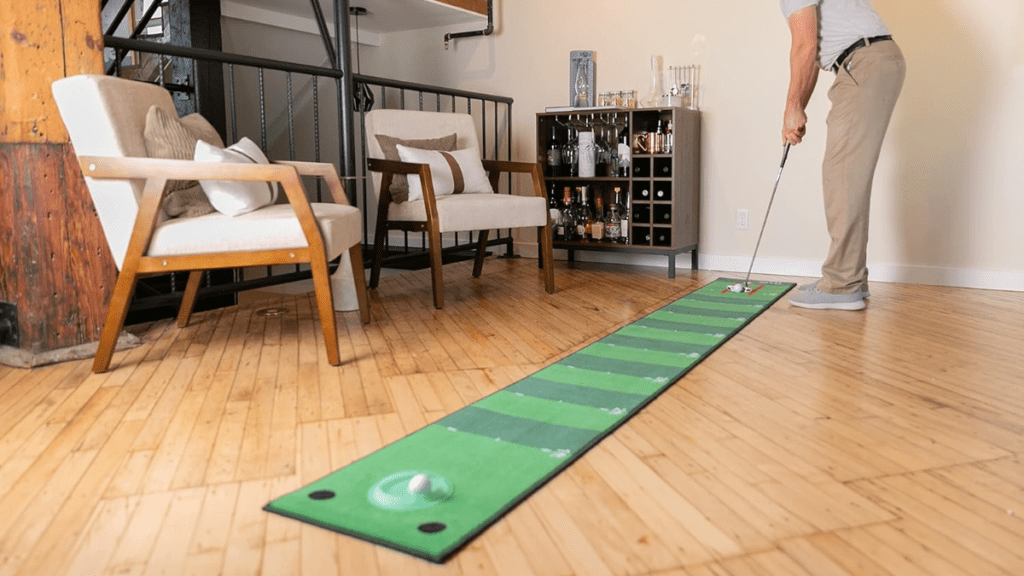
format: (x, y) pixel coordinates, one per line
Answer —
(882, 442)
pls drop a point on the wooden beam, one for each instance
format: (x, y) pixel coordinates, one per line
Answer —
(56, 265)
(42, 41)
(54, 262)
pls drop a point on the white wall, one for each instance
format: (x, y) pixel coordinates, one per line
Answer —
(949, 190)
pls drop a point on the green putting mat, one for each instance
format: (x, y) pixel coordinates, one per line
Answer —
(429, 493)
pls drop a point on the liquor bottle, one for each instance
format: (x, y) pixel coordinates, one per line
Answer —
(565, 230)
(598, 226)
(623, 215)
(554, 155)
(670, 138)
(613, 225)
(659, 139)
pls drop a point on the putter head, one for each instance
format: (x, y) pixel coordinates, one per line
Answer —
(737, 288)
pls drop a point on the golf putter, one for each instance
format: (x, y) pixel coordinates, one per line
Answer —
(745, 287)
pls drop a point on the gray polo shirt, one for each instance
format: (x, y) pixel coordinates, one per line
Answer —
(840, 23)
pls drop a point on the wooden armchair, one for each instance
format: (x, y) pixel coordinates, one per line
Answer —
(435, 213)
(105, 117)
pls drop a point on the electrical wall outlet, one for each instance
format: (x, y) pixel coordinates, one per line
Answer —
(742, 218)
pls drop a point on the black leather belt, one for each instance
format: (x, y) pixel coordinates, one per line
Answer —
(856, 46)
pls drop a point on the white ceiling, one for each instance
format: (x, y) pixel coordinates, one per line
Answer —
(382, 16)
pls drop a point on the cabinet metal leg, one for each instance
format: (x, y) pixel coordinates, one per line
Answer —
(572, 257)
(671, 265)
(693, 260)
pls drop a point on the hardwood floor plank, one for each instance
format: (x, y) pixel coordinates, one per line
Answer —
(244, 552)
(99, 539)
(171, 548)
(140, 535)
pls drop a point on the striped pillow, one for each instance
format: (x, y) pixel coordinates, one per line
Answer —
(167, 136)
(455, 172)
(233, 197)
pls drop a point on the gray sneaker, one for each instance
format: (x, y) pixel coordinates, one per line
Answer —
(811, 297)
(864, 293)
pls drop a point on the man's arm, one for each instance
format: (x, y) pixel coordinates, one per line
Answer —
(803, 72)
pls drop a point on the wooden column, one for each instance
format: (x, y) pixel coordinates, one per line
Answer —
(54, 262)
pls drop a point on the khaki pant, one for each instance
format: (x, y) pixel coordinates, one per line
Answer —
(863, 97)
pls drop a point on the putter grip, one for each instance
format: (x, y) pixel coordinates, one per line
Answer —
(785, 153)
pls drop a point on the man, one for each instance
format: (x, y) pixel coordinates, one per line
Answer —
(847, 38)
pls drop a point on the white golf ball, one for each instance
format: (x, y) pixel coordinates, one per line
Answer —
(420, 484)
(734, 288)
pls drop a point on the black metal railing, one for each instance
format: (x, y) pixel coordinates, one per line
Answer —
(283, 105)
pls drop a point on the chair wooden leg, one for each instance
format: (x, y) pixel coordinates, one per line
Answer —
(547, 257)
(355, 254)
(481, 252)
(379, 236)
(325, 306)
(436, 276)
(116, 313)
(188, 298)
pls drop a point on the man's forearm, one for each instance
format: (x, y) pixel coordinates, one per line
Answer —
(803, 76)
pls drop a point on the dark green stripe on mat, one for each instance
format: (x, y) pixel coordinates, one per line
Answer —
(524, 431)
(651, 344)
(498, 450)
(628, 368)
(581, 395)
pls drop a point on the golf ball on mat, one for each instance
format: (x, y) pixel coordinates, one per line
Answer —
(419, 484)
(734, 288)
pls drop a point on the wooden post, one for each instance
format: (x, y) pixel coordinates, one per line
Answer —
(54, 262)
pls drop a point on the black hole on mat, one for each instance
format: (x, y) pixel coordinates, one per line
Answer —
(432, 527)
(321, 495)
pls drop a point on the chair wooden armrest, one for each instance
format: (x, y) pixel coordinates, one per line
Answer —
(392, 166)
(509, 166)
(495, 167)
(156, 171)
(324, 170)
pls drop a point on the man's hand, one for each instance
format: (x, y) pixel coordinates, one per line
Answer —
(794, 126)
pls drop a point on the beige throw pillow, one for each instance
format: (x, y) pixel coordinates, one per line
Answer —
(167, 136)
(389, 146)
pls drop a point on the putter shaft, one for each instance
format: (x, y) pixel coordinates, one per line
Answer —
(785, 153)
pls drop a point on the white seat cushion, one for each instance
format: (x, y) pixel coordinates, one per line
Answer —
(269, 228)
(464, 212)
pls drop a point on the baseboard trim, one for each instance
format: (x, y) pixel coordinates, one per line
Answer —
(896, 273)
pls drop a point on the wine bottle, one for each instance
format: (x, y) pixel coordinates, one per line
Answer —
(625, 151)
(554, 154)
(584, 226)
(578, 217)
(554, 214)
(565, 230)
